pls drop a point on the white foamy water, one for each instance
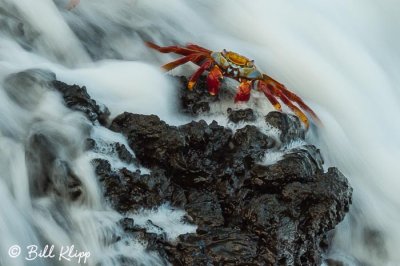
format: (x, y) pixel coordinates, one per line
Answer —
(340, 56)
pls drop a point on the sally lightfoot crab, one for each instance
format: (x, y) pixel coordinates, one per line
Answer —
(235, 66)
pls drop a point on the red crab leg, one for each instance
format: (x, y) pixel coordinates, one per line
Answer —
(193, 58)
(293, 107)
(244, 89)
(214, 80)
(173, 49)
(198, 48)
(292, 96)
(193, 79)
(300, 102)
(267, 92)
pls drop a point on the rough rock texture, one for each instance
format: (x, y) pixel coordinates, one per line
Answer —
(78, 99)
(290, 126)
(237, 116)
(247, 213)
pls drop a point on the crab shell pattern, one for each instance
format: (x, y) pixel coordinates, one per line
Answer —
(236, 65)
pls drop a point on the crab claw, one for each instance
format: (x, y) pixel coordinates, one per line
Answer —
(243, 94)
(214, 79)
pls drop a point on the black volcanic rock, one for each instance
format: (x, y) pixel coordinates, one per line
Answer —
(48, 168)
(247, 212)
(131, 191)
(196, 101)
(27, 87)
(237, 116)
(78, 99)
(289, 125)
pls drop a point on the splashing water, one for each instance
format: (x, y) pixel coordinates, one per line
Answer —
(341, 57)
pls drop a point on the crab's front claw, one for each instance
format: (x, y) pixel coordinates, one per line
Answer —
(243, 94)
(214, 79)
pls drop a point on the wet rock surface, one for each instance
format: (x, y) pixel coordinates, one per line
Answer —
(49, 170)
(78, 99)
(196, 101)
(246, 115)
(289, 126)
(247, 212)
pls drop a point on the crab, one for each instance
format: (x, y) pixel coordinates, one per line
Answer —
(221, 64)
